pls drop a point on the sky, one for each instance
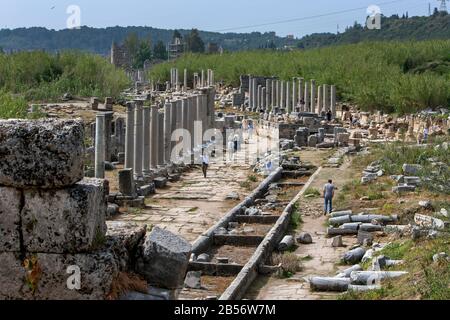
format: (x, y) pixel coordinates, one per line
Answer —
(285, 17)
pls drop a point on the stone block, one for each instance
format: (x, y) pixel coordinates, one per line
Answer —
(97, 273)
(160, 182)
(10, 202)
(69, 220)
(45, 153)
(163, 259)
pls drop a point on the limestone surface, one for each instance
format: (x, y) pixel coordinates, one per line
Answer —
(163, 259)
(44, 153)
(68, 220)
(10, 201)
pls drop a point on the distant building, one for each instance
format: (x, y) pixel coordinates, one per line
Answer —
(176, 49)
(120, 56)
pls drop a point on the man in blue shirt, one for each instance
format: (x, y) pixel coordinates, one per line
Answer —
(328, 194)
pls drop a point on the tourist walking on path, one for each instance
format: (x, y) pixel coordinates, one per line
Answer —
(329, 115)
(328, 194)
(205, 163)
(230, 150)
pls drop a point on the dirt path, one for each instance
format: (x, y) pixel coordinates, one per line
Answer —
(318, 258)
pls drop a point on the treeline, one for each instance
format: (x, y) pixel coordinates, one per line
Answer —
(396, 27)
(37, 76)
(397, 77)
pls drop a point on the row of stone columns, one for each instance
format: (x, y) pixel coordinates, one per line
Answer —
(297, 95)
(149, 132)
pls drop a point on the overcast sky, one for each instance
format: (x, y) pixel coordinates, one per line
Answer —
(307, 16)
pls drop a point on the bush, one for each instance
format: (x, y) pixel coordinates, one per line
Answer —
(290, 264)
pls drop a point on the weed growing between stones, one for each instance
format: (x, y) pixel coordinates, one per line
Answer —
(34, 272)
(312, 193)
(289, 263)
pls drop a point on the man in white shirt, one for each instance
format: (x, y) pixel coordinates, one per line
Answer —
(205, 164)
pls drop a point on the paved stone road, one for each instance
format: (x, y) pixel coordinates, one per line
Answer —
(194, 204)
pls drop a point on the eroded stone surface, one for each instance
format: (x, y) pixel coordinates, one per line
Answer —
(69, 220)
(10, 201)
(44, 153)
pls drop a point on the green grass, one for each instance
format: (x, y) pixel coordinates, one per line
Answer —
(371, 74)
(296, 218)
(312, 192)
(426, 279)
(39, 76)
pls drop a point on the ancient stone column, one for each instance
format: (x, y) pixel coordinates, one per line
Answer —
(100, 145)
(288, 97)
(263, 98)
(333, 101)
(129, 143)
(199, 111)
(273, 93)
(255, 95)
(195, 84)
(160, 139)
(282, 94)
(146, 143)
(138, 140)
(185, 125)
(278, 98)
(192, 115)
(167, 131)
(258, 98)
(204, 107)
(109, 116)
(313, 96)
(173, 124)
(119, 132)
(319, 100)
(294, 95)
(307, 106)
(326, 98)
(126, 182)
(185, 80)
(301, 86)
(177, 80)
(203, 78)
(268, 93)
(154, 136)
(250, 91)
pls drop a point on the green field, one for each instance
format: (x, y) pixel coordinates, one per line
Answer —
(399, 77)
(39, 76)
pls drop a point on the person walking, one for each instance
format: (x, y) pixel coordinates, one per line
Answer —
(230, 150)
(329, 115)
(205, 163)
(328, 194)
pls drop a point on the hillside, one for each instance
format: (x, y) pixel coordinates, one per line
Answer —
(99, 40)
(436, 26)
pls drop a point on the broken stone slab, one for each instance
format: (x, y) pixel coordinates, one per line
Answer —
(160, 182)
(98, 271)
(367, 256)
(146, 190)
(444, 212)
(403, 188)
(414, 181)
(365, 238)
(329, 284)
(232, 196)
(402, 229)
(69, 220)
(125, 238)
(354, 256)
(441, 256)
(337, 242)
(341, 213)
(163, 259)
(204, 258)
(359, 288)
(112, 210)
(429, 222)
(10, 206)
(346, 273)
(193, 280)
(44, 153)
(286, 243)
(368, 178)
(373, 277)
(339, 220)
(221, 231)
(253, 211)
(223, 260)
(411, 169)
(304, 238)
(426, 204)
(138, 202)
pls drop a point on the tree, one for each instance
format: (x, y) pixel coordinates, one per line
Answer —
(132, 43)
(177, 34)
(195, 42)
(160, 51)
(143, 53)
